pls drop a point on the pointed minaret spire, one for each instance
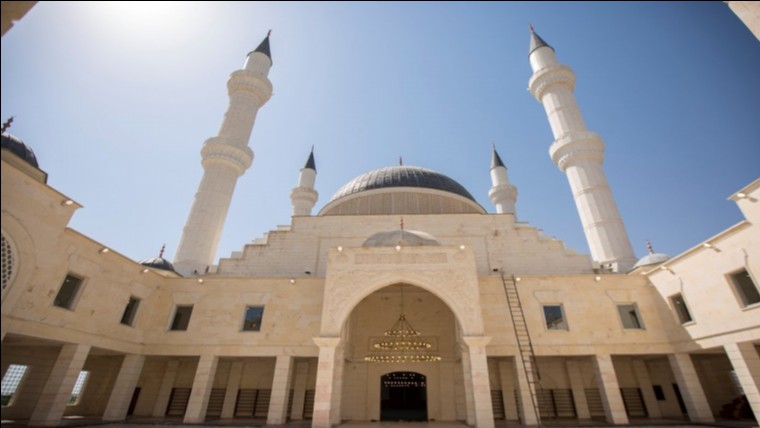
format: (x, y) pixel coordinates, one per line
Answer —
(536, 41)
(304, 197)
(224, 158)
(161, 253)
(400, 161)
(7, 124)
(264, 47)
(503, 195)
(579, 153)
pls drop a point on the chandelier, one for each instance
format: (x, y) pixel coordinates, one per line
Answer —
(402, 344)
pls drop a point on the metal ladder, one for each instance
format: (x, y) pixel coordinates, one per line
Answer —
(524, 343)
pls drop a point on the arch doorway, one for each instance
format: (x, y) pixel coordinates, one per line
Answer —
(403, 397)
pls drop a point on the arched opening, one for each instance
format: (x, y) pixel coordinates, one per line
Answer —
(403, 397)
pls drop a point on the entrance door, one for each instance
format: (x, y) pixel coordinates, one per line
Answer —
(403, 397)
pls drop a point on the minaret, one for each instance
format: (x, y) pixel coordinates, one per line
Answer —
(579, 153)
(224, 159)
(503, 195)
(304, 196)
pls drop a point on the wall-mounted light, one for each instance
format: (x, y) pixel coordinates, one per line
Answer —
(707, 245)
(741, 195)
(200, 280)
(340, 249)
(597, 278)
(517, 279)
(67, 202)
(461, 247)
(104, 250)
(292, 280)
(398, 247)
(146, 270)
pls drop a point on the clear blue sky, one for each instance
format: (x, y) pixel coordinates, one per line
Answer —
(116, 101)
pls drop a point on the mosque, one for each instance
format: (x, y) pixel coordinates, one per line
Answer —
(401, 299)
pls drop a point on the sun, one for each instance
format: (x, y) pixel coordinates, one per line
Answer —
(156, 24)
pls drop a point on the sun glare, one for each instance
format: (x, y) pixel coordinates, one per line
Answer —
(156, 23)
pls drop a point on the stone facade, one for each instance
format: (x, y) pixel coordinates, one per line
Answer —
(494, 298)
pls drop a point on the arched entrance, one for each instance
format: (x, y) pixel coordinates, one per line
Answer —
(403, 397)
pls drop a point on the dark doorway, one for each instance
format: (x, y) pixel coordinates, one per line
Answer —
(403, 397)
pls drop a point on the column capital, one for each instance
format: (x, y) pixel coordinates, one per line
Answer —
(327, 342)
(476, 341)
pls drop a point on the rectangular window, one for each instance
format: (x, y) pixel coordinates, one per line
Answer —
(745, 287)
(253, 317)
(181, 318)
(679, 304)
(11, 381)
(629, 314)
(76, 393)
(67, 294)
(659, 394)
(129, 312)
(555, 318)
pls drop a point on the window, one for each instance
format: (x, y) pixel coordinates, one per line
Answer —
(76, 393)
(129, 312)
(253, 317)
(745, 287)
(11, 381)
(67, 294)
(629, 314)
(555, 318)
(659, 394)
(679, 304)
(181, 318)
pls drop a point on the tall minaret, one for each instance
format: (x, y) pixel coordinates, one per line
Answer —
(579, 153)
(503, 195)
(224, 159)
(304, 196)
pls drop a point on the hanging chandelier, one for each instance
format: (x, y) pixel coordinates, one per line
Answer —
(402, 344)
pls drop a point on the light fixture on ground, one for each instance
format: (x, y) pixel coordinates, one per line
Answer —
(402, 344)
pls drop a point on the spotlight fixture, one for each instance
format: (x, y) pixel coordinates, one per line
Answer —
(597, 278)
(517, 279)
(292, 280)
(461, 247)
(741, 195)
(146, 270)
(200, 280)
(398, 247)
(104, 250)
(707, 245)
(67, 202)
(340, 249)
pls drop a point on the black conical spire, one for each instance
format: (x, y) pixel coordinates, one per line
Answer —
(310, 164)
(264, 46)
(536, 41)
(496, 160)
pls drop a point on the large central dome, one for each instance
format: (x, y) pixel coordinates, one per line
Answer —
(401, 190)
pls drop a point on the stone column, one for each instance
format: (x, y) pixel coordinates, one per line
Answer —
(691, 390)
(645, 383)
(231, 393)
(124, 388)
(165, 391)
(468, 394)
(529, 416)
(338, 385)
(481, 385)
(606, 379)
(325, 388)
(57, 390)
(278, 404)
(202, 385)
(507, 378)
(579, 392)
(299, 390)
(746, 362)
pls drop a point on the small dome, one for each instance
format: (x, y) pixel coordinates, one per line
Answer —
(18, 148)
(402, 176)
(651, 259)
(158, 263)
(408, 238)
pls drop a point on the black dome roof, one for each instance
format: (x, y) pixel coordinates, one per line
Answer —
(18, 148)
(402, 176)
(158, 263)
